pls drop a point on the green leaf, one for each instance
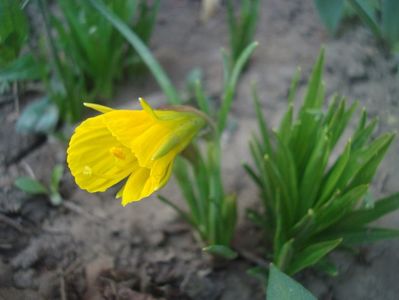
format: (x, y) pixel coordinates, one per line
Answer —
(228, 94)
(362, 217)
(283, 287)
(366, 13)
(311, 255)
(284, 256)
(337, 207)
(30, 185)
(56, 199)
(360, 236)
(56, 176)
(326, 266)
(13, 30)
(23, 68)
(221, 251)
(331, 179)
(142, 50)
(390, 21)
(330, 12)
(41, 116)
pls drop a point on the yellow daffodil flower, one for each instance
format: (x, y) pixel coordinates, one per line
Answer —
(139, 145)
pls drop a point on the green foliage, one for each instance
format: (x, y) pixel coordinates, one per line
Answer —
(313, 203)
(94, 46)
(13, 30)
(141, 49)
(25, 67)
(30, 186)
(211, 211)
(330, 12)
(282, 287)
(33, 186)
(242, 26)
(379, 16)
(40, 116)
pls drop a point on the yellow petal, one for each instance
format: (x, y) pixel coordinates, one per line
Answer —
(147, 108)
(97, 160)
(134, 187)
(127, 125)
(98, 107)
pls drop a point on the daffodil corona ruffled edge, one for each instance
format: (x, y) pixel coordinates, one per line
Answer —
(137, 145)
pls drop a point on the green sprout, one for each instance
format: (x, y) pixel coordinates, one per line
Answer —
(242, 26)
(33, 186)
(312, 202)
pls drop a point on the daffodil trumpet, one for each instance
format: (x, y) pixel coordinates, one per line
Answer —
(138, 146)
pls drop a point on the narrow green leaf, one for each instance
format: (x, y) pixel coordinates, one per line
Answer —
(30, 185)
(337, 207)
(13, 30)
(142, 50)
(313, 175)
(23, 68)
(314, 83)
(360, 158)
(362, 217)
(56, 176)
(294, 84)
(202, 100)
(311, 255)
(366, 14)
(262, 125)
(284, 257)
(283, 287)
(330, 12)
(284, 132)
(360, 236)
(250, 171)
(363, 134)
(228, 95)
(326, 266)
(330, 183)
(367, 171)
(222, 251)
(390, 21)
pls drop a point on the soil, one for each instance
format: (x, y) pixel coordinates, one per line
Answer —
(90, 247)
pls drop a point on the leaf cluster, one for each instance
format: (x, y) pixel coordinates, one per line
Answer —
(312, 202)
(379, 16)
(33, 186)
(242, 26)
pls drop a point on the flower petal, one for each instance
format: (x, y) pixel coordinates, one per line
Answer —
(98, 107)
(97, 160)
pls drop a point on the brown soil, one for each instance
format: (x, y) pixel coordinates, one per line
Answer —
(92, 248)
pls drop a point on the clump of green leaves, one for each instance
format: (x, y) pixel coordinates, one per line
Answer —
(379, 16)
(212, 212)
(312, 202)
(13, 37)
(33, 186)
(95, 48)
(242, 26)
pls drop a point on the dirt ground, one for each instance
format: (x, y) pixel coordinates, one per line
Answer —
(93, 248)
